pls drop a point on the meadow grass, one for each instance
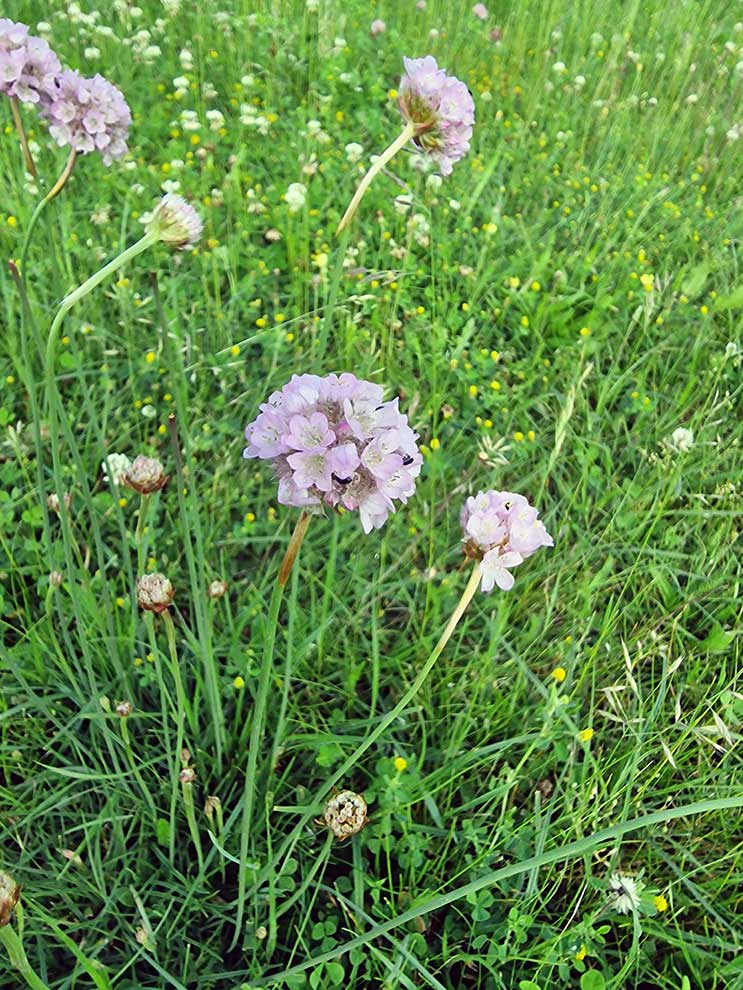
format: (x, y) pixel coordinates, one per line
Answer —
(550, 315)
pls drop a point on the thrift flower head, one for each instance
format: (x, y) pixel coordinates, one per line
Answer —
(481, 11)
(9, 894)
(88, 115)
(145, 475)
(154, 592)
(440, 107)
(175, 222)
(501, 530)
(27, 64)
(334, 441)
(378, 27)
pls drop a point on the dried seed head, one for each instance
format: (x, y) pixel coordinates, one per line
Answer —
(10, 891)
(217, 589)
(154, 592)
(52, 500)
(211, 805)
(55, 579)
(124, 708)
(145, 475)
(345, 814)
(187, 775)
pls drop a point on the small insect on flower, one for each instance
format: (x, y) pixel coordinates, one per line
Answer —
(345, 814)
(175, 222)
(154, 593)
(334, 441)
(501, 530)
(145, 475)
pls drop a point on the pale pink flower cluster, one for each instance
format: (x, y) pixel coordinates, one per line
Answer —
(88, 115)
(440, 107)
(27, 64)
(377, 27)
(501, 529)
(334, 441)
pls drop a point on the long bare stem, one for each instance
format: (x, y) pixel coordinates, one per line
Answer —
(23, 140)
(399, 142)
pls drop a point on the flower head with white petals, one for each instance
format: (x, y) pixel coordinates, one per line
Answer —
(501, 530)
(335, 441)
(175, 222)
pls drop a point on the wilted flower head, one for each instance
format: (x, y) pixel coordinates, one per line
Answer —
(175, 222)
(145, 475)
(10, 891)
(345, 814)
(217, 588)
(88, 115)
(501, 530)
(154, 592)
(335, 441)
(124, 709)
(681, 440)
(441, 108)
(114, 468)
(377, 27)
(27, 64)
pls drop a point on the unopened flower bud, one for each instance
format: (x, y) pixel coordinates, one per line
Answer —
(217, 589)
(124, 708)
(10, 891)
(154, 592)
(55, 579)
(187, 775)
(145, 475)
(211, 805)
(175, 222)
(345, 814)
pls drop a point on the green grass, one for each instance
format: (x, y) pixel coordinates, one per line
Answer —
(507, 309)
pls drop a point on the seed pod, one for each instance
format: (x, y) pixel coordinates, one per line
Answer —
(345, 814)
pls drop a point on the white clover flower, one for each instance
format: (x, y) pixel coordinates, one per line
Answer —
(216, 119)
(295, 196)
(579, 82)
(681, 440)
(114, 468)
(559, 67)
(625, 893)
(186, 59)
(434, 182)
(354, 152)
(190, 120)
(92, 53)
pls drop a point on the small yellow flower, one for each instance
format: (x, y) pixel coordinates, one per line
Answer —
(238, 683)
(249, 517)
(585, 735)
(581, 954)
(120, 602)
(518, 436)
(585, 331)
(559, 674)
(535, 286)
(400, 764)
(661, 904)
(150, 357)
(524, 321)
(472, 390)
(279, 318)
(12, 222)
(234, 350)
(122, 503)
(435, 443)
(261, 322)
(392, 94)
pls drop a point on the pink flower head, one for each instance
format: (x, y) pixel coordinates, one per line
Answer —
(335, 441)
(441, 108)
(501, 530)
(27, 64)
(377, 27)
(481, 11)
(88, 115)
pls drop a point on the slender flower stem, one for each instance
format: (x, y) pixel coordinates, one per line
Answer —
(41, 205)
(28, 157)
(259, 712)
(467, 596)
(192, 825)
(126, 739)
(180, 695)
(82, 290)
(14, 946)
(399, 142)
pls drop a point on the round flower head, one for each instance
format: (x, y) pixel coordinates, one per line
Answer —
(145, 475)
(175, 222)
(154, 592)
(345, 814)
(10, 891)
(501, 530)
(88, 115)
(27, 64)
(334, 441)
(377, 27)
(440, 107)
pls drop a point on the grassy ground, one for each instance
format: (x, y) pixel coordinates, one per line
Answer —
(550, 315)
